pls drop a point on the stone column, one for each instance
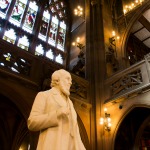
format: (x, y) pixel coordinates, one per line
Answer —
(95, 68)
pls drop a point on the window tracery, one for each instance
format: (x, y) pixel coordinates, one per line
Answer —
(23, 26)
(39, 51)
(49, 54)
(10, 36)
(23, 43)
(59, 59)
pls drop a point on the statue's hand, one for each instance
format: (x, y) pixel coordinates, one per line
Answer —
(63, 111)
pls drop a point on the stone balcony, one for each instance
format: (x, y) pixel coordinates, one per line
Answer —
(129, 82)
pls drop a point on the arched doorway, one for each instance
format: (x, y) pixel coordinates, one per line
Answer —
(13, 128)
(129, 128)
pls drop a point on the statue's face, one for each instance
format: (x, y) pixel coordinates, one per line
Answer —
(65, 84)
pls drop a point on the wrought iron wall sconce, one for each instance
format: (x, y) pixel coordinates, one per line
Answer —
(106, 121)
(112, 42)
(78, 44)
(78, 11)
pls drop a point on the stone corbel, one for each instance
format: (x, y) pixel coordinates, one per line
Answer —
(94, 2)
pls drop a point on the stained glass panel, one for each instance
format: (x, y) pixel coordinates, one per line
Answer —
(10, 36)
(2, 64)
(23, 43)
(59, 59)
(1, 26)
(44, 25)
(49, 54)
(18, 12)
(4, 5)
(30, 17)
(7, 56)
(39, 50)
(53, 31)
(61, 36)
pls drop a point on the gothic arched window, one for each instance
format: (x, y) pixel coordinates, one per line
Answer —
(34, 26)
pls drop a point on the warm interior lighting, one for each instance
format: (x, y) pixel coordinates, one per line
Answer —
(131, 6)
(73, 43)
(78, 44)
(113, 33)
(106, 121)
(115, 36)
(78, 11)
(118, 37)
(78, 39)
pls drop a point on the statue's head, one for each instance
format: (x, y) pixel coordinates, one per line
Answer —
(61, 79)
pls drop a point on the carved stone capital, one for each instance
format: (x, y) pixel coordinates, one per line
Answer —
(94, 2)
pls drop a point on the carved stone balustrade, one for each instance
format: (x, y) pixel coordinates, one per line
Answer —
(129, 82)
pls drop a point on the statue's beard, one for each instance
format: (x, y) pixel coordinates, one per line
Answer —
(65, 89)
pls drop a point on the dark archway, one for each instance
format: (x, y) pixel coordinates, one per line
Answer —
(13, 128)
(127, 132)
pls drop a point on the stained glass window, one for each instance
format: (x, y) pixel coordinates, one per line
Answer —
(22, 16)
(2, 64)
(30, 17)
(23, 43)
(10, 36)
(14, 69)
(61, 36)
(49, 54)
(39, 50)
(18, 11)
(59, 59)
(53, 31)
(4, 5)
(44, 25)
(7, 56)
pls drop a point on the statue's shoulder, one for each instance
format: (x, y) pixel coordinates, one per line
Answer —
(45, 93)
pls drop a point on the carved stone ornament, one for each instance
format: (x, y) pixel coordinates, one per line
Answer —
(127, 82)
(94, 2)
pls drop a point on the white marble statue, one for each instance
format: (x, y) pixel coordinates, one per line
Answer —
(54, 116)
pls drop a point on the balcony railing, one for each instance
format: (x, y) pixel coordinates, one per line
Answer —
(129, 82)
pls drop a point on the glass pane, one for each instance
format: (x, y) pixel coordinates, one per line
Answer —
(49, 54)
(17, 12)
(2, 64)
(61, 36)
(7, 56)
(10, 36)
(23, 43)
(30, 17)
(53, 31)
(1, 26)
(59, 59)
(4, 5)
(39, 50)
(44, 25)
